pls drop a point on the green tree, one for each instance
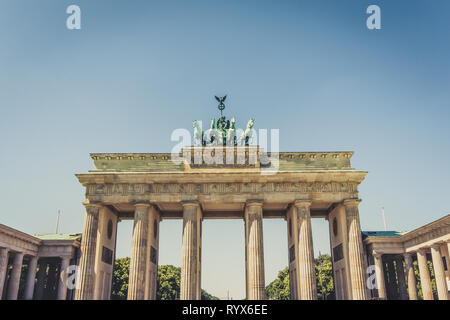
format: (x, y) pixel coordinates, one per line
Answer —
(169, 278)
(119, 288)
(324, 277)
(207, 296)
(279, 289)
(168, 282)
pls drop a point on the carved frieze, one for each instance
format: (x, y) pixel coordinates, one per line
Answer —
(222, 188)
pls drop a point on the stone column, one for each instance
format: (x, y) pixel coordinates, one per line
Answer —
(401, 278)
(412, 290)
(62, 284)
(255, 250)
(190, 262)
(379, 272)
(355, 250)
(446, 256)
(152, 253)
(138, 259)
(199, 258)
(425, 279)
(31, 276)
(307, 275)
(86, 272)
(14, 280)
(3, 268)
(439, 273)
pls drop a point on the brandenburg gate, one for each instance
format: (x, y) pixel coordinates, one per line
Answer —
(223, 176)
(150, 188)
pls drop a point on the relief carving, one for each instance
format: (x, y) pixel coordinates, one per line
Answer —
(205, 188)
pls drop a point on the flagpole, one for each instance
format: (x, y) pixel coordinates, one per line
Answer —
(384, 218)
(57, 221)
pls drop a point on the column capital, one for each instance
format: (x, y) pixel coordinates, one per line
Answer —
(377, 255)
(6, 250)
(192, 203)
(92, 206)
(254, 202)
(19, 254)
(407, 255)
(142, 205)
(302, 203)
(436, 246)
(351, 202)
(88, 203)
(422, 250)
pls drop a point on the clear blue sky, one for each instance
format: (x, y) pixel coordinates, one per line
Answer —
(139, 69)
